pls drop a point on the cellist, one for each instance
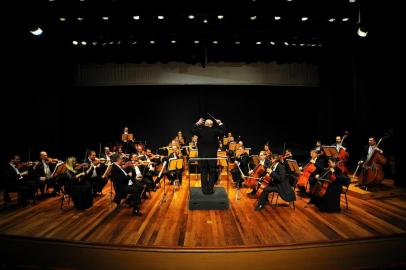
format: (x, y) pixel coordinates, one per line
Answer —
(310, 170)
(242, 160)
(266, 163)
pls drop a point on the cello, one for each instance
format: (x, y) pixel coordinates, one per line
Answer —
(343, 156)
(251, 181)
(372, 168)
(308, 169)
(323, 182)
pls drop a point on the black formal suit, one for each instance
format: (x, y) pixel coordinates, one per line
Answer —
(320, 165)
(267, 164)
(39, 171)
(121, 186)
(330, 202)
(208, 145)
(14, 182)
(364, 154)
(80, 190)
(94, 177)
(279, 183)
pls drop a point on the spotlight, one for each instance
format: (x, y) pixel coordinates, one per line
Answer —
(173, 41)
(79, 18)
(362, 33)
(160, 17)
(191, 17)
(215, 42)
(258, 42)
(273, 43)
(84, 43)
(220, 17)
(62, 19)
(286, 44)
(277, 18)
(205, 21)
(36, 32)
(237, 42)
(105, 18)
(304, 19)
(196, 42)
(253, 18)
(331, 20)
(136, 17)
(346, 19)
(152, 41)
(75, 42)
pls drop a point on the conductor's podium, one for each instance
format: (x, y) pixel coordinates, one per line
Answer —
(216, 201)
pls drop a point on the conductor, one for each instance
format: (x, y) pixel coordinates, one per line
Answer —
(207, 148)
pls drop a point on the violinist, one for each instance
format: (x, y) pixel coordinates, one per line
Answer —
(95, 172)
(193, 142)
(242, 159)
(75, 184)
(124, 184)
(180, 138)
(310, 170)
(266, 163)
(327, 198)
(106, 155)
(139, 174)
(14, 181)
(43, 173)
(267, 150)
(175, 174)
(279, 183)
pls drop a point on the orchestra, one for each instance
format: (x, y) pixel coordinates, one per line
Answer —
(135, 170)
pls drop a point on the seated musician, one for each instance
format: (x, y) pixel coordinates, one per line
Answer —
(125, 184)
(193, 143)
(279, 183)
(95, 172)
(291, 175)
(75, 184)
(175, 174)
(139, 171)
(106, 155)
(242, 159)
(181, 139)
(314, 159)
(267, 150)
(14, 181)
(330, 201)
(43, 173)
(264, 161)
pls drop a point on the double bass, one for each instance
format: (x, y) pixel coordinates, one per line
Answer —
(343, 156)
(372, 168)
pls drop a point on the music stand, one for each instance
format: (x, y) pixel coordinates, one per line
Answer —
(127, 137)
(59, 169)
(293, 166)
(225, 141)
(163, 199)
(232, 146)
(255, 159)
(330, 151)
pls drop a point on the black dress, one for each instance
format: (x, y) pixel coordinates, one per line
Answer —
(79, 190)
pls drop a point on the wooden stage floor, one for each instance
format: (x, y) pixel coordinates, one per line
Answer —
(172, 224)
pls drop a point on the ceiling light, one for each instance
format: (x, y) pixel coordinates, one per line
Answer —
(134, 42)
(75, 42)
(83, 43)
(346, 19)
(253, 18)
(173, 41)
(62, 19)
(277, 18)
(304, 19)
(105, 18)
(136, 17)
(286, 44)
(196, 42)
(237, 42)
(152, 41)
(301, 44)
(215, 42)
(79, 18)
(272, 43)
(258, 42)
(160, 17)
(220, 17)
(37, 32)
(94, 43)
(353, 1)
(205, 21)
(331, 20)
(191, 17)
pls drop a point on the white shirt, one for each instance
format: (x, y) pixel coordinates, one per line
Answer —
(17, 171)
(47, 171)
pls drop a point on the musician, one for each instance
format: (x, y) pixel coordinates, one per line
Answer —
(368, 149)
(279, 183)
(242, 159)
(140, 173)
(14, 181)
(318, 146)
(124, 184)
(340, 145)
(95, 172)
(75, 184)
(318, 162)
(264, 161)
(330, 201)
(106, 155)
(180, 138)
(208, 146)
(193, 142)
(174, 174)
(43, 174)
(267, 150)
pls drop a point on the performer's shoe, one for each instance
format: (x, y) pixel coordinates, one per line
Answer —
(137, 212)
(259, 207)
